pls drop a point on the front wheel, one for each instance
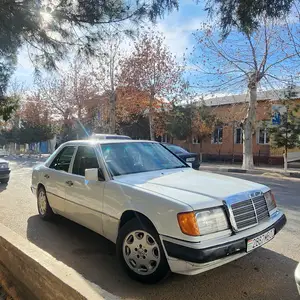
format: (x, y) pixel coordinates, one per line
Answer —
(141, 253)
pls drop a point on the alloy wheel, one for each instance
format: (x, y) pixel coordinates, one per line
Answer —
(141, 252)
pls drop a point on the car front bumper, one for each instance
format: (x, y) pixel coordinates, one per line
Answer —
(297, 277)
(194, 258)
(4, 173)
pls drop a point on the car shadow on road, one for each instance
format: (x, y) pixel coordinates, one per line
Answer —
(264, 274)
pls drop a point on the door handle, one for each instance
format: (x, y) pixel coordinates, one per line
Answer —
(69, 183)
(47, 176)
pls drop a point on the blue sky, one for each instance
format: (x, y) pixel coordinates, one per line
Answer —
(177, 27)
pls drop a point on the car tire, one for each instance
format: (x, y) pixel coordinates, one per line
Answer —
(140, 252)
(44, 209)
(4, 181)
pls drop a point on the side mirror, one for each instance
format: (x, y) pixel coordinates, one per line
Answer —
(94, 174)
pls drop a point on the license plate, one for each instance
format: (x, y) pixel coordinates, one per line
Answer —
(260, 240)
(190, 159)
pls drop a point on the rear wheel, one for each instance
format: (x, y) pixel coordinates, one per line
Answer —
(141, 253)
(44, 208)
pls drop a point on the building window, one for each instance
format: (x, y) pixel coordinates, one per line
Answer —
(164, 138)
(196, 140)
(262, 136)
(238, 136)
(217, 136)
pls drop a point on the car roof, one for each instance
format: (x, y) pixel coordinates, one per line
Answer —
(105, 135)
(104, 141)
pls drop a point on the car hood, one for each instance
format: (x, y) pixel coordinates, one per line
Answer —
(3, 160)
(196, 188)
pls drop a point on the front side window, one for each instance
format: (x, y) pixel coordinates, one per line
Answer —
(263, 136)
(63, 159)
(217, 136)
(238, 137)
(85, 159)
(129, 158)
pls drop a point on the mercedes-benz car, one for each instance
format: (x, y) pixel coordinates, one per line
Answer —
(163, 215)
(297, 277)
(104, 136)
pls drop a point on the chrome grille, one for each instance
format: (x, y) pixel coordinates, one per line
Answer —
(250, 212)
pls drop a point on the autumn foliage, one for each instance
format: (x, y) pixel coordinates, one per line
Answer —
(152, 70)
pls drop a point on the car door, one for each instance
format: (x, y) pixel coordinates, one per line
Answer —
(54, 178)
(84, 198)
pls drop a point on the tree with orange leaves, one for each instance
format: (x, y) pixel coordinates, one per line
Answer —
(153, 70)
(35, 111)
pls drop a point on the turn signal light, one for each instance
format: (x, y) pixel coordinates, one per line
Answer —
(188, 223)
(273, 199)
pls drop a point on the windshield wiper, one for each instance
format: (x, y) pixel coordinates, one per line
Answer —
(179, 167)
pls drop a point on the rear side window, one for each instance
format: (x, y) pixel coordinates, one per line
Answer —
(63, 159)
(85, 159)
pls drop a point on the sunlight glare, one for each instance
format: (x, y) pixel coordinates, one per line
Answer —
(46, 17)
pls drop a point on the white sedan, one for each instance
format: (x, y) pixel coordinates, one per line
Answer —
(297, 277)
(163, 215)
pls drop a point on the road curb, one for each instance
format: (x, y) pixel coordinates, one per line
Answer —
(255, 171)
(40, 275)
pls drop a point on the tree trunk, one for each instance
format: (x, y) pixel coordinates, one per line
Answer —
(286, 144)
(79, 115)
(248, 126)
(112, 112)
(285, 161)
(151, 125)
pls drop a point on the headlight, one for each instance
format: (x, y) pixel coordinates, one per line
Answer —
(203, 222)
(3, 165)
(270, 199)
(212, 220)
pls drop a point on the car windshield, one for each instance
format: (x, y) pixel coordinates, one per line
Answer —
(176, 149)
(129, 158)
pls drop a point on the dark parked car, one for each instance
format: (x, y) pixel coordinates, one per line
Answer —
(4, 171)
(192, 159)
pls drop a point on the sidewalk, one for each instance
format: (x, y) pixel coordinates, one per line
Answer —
(40, 157)
(237, 168)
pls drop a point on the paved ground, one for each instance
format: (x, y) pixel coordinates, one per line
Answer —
(265, 274)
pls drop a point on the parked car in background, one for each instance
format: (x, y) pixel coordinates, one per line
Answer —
(162, 215)
(4, 171)
(297, 277)
(104, 136)
(193, 159)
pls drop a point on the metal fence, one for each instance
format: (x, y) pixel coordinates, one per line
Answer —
(260, 158)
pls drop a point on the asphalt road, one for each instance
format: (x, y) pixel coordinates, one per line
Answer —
(267, 273)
